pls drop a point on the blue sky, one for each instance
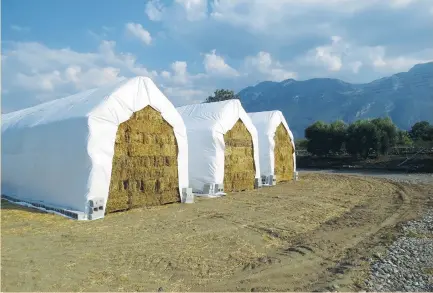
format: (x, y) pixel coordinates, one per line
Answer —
(53, 48)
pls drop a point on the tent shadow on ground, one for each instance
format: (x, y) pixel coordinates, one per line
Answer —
(7, 205)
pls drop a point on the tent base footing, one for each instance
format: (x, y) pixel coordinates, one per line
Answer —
(76, 215)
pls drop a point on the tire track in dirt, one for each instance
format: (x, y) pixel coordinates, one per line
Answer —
(313, 260)
(296, 236)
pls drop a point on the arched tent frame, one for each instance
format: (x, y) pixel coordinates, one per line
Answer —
(266, 124)
(60, 153)
(206, 125)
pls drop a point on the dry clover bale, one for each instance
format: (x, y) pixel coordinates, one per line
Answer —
(283, 154)
(145, 166)
(239, 168)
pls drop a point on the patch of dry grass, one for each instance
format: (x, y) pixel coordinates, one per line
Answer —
(177, 247)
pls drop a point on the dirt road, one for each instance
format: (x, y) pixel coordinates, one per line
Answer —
(304, 235)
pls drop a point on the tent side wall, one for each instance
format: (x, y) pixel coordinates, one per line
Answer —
(47, 163)
(266, 143)
(204, 158)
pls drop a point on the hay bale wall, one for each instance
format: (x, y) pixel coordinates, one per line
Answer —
(239, 168)
(145, 166)
(283, 154)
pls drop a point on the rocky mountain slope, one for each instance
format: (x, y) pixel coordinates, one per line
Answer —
(406, 97)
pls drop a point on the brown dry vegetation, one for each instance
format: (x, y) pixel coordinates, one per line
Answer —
(283, 154)
(239, 168)
(145, 168)
(295, 236)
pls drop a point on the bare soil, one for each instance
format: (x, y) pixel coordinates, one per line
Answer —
(297, 236)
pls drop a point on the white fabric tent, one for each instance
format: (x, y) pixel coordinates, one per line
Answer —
(266, 123)
(206, 125)
(60, 153)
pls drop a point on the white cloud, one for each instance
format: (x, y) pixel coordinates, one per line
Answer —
(107, 28)
(18, 28)
(268, 68)
(356, 65)
(154, 10)
(180, 72)
(343, 56)
(262, 15)
(81, 79)
(195, 9)
(166, 74)
(136, 30)
(215, 65)
(401, 3)
(265, 14)
(382, 62)
(39, 73)
(185, 95)
(189, 10)
(331, 55)
(33, 73)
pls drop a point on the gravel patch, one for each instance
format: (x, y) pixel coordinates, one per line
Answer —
(408, 263)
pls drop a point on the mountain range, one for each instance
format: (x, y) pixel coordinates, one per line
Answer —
(405, 97)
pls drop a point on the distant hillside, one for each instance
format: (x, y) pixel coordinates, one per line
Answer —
(406, 97)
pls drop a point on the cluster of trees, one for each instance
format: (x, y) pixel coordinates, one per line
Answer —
(363, 137)
(222, 95)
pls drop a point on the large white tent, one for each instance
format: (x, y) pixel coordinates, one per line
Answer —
(266, 123)
(60, 153)
(206, 125)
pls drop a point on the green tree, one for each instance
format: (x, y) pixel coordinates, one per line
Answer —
(403, 138)
(319, 138)
(387, 134)
(301, 144)
(421, 131)
(363, 137)
(423, 135)
(338, 133)
(429, 134)
(222, 95)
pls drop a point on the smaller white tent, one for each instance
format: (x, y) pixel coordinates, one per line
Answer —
(206, 125)
(60, 153)
(266, 124)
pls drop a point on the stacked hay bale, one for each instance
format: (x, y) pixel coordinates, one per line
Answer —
(283, 154)
(145, 169)
(277, 148)
(112, 148)
(239, 168)
(222, 147)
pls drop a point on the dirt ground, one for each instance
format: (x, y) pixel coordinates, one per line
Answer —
(297, 236)
(421, 163)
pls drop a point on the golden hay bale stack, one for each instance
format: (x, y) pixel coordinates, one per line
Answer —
(145, 166)
(239, 168)
(283, 154)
